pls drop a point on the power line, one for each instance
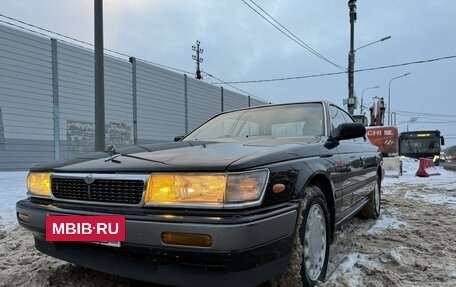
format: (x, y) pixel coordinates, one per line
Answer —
(108, 50)
(425, 114)
(293, 37)
(430, 121)
(421, 118)
(112, 51)
(309, 48)
(75, 40)
(46, 30)
(234, 87)
(338, 73)
(435, 122)
(229, 83)
(285, 78)
(407, 64)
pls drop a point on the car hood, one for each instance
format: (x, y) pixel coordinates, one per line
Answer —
(192, 156)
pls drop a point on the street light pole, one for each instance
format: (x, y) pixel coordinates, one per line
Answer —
(362, 95)
(351, 101)
(389, 95)
(351, 77)
(351, 58)
(381, 40)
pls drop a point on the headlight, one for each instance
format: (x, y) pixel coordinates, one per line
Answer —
(186, 188)
(222, 190)
(39, 183)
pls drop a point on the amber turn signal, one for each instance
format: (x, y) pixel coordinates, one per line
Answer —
(278, 188)
(187, 239)
(23, 217)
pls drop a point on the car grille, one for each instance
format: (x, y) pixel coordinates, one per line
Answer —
(100, 190)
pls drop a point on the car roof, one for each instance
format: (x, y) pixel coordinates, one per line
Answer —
(325, 103)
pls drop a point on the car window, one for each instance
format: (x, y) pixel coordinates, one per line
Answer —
(292, 120)
(218, 129)
(246, 129)
(338, 116)
(288, 129)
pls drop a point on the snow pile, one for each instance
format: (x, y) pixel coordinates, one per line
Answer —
(348, 267)
(419, 188)
(385, 222)
(12, 188)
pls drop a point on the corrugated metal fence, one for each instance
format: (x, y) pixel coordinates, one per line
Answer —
(47, 100)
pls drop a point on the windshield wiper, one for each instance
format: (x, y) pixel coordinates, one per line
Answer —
(111, 149)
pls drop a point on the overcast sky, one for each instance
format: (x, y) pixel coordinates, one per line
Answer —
(239, 45)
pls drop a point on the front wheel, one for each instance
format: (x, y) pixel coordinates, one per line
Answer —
(309, 257)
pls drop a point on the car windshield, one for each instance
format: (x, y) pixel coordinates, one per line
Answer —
(269, 121)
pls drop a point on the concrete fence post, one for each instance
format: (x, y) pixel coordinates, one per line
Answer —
(2, 132)
(55, 98)
(222, 99)
(135, 103)
(186, 103)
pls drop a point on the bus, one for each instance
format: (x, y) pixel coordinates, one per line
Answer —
(418, 144)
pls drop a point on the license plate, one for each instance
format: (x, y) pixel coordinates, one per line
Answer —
(86, 228)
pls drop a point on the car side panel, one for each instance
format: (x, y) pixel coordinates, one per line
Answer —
(360, 168)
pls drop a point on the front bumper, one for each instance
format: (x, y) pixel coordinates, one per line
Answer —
(248, 248)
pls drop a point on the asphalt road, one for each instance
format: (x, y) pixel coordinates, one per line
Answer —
(449, 165)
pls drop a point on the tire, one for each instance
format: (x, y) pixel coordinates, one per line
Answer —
(310, 253)
(372, 209)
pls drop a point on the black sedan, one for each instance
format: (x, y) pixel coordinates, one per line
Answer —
(250, 196)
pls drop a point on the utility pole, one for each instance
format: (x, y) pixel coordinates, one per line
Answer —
(99, 78)
(361, 106)
(197, 59)
(351, 103)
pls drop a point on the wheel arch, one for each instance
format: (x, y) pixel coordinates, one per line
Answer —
(323, 182)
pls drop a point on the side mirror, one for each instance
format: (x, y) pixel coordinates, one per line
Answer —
(345, 131)
(178, 138)
(348, 131)
(442, 140)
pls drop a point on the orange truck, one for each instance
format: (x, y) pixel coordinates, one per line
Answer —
(385, 138)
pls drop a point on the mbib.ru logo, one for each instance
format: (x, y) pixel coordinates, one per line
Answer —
(85, 228)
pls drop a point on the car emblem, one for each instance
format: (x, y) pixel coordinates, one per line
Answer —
(89, 179)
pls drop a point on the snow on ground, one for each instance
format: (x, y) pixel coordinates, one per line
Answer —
(348, 266)
(385, 222)
(12, 188)
(442, 177)
(418, 188)
(410, 244)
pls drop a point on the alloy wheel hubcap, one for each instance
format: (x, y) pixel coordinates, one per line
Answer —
(315, 242)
